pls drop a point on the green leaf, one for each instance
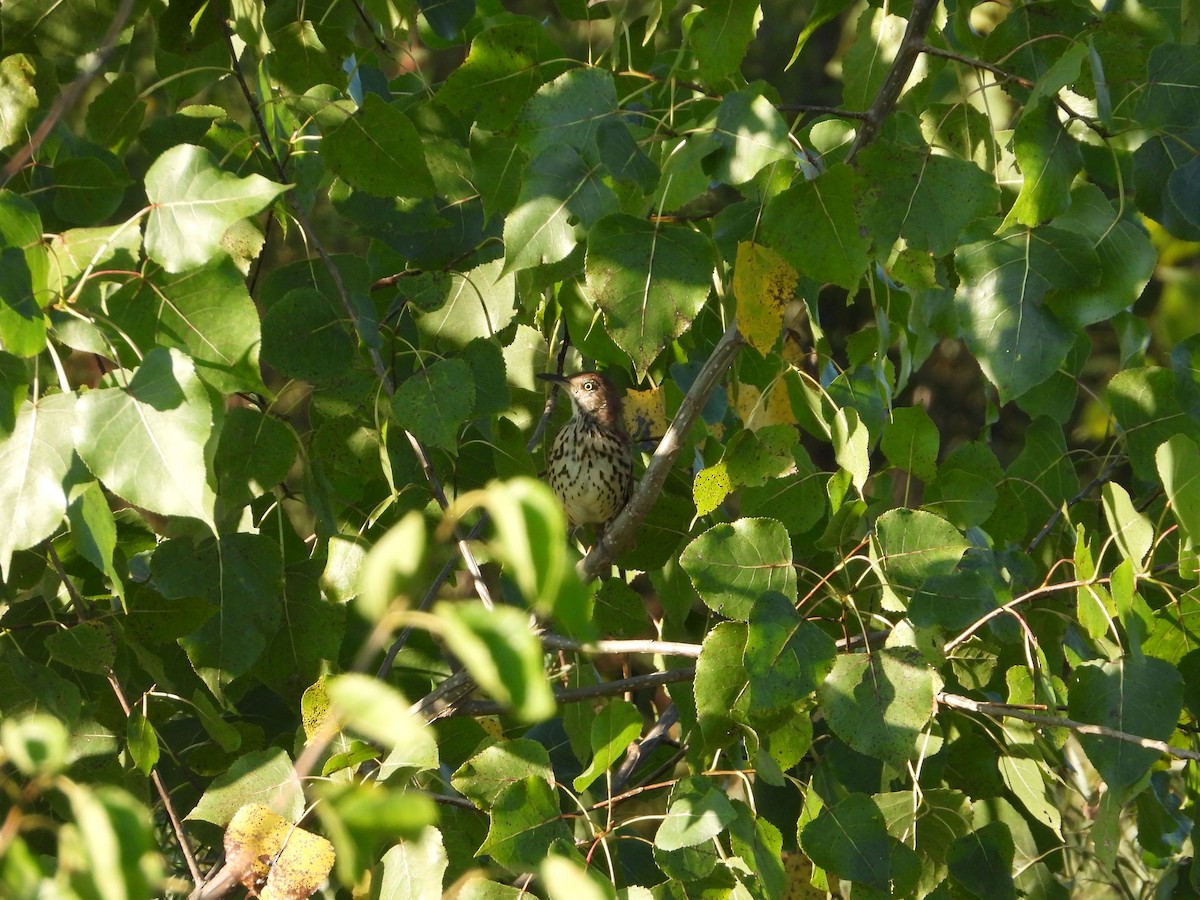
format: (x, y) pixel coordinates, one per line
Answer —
(1049, 160)
(304, 336)
(378, 150)
(850, 839)
(265, 774)
(558, 190)
(88, 647)
(505, 67)
(23, 276)
(982, 862)
(434, 403)
(14, 387)
(650, 279)
(1172, 96)
(878, 703)
(915, 545)
(814, 226)
(36, 744)
(146, 442)
(483, 777)
(1132, 531)
(910, 442)
(241, 575)
(479, 303)
(414, 868)
(733, 565)
(193, 203)
(254, 453)
(94, 530)
(786, 658)
(502, 653)
(34, 459)
(142, 742)
(1004, 282)
(720, 34)
(824, 11)
(205, 312)
(447, 17)
(1178, 460)
(1141, 696)
(614, 728)
(721, 687)
(525, 822)
(1147, 406)
(696, 813)
(567, 112)
(111, 842)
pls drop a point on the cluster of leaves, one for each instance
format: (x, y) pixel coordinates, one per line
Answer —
(904, 606)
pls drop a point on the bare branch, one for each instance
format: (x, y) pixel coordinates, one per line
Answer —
(956, 701)
(591, 692)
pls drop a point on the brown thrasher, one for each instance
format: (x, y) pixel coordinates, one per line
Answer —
(590, 464)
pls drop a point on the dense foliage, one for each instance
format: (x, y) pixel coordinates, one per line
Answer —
(905, 602)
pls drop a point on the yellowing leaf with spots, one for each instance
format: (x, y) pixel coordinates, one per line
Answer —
(763, 285)
(274, 858)
(645, 414)
(711, 487)
(757, 410)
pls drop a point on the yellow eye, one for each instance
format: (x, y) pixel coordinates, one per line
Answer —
(589, 385)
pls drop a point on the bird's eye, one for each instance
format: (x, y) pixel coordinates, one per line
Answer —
(589, 385)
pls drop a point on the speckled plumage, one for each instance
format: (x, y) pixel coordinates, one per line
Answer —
(590, 467)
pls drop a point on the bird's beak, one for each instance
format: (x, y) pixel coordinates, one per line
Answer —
(554, 377)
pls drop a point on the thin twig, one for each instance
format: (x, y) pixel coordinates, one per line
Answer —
(82, 611)
(664, 648)
(68, 97)
(590, 692)
(889, 92)
(956, 701)
(620, 533)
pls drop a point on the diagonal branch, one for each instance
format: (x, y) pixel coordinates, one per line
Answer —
(911, 47)
(620, 533)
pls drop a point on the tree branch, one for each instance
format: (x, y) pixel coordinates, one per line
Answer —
(620, 533)
(956, 701)
(889, 92)
(591, 692)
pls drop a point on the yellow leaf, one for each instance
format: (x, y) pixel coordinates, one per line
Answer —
(711, 487)
(645, 414)
(757, 411)
(763, 285)
(272, 856)
(314, 708)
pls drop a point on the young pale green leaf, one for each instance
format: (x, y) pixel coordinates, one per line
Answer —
(752, 134)
(910, 442)
(1139, 695)
(484, 776)
(193, 203)
(241, 576)
(146, 442)
(614, 728)
(36, 744)
(696, 813)
(568, 879)
(504, 68)
(379, 711)
(559, 190)
(502, 653)
(878, 703)
(1131, 530)
(113, 842)
(650, 279)
(915, 545)
(1178, 460)
(415, 868)
(733, 565)
(786, 658)
(850, 840)
(393, 568)
(525, 822)
(852, 445)
(24, 269)
(378, 150)
(34, 459)
(981, 862)
(1049, 159)
(1004, 280)
(814, 226)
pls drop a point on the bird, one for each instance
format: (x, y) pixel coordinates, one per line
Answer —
(590, 466)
